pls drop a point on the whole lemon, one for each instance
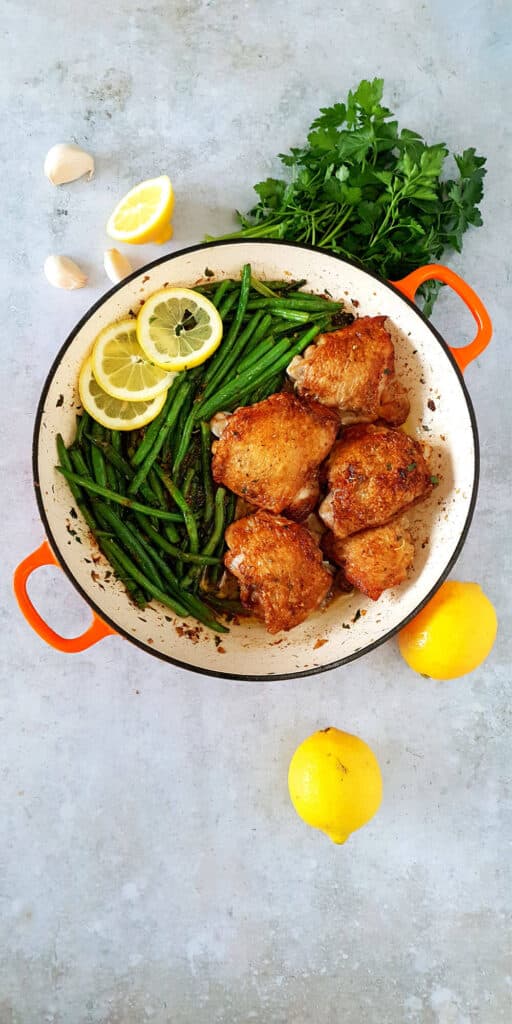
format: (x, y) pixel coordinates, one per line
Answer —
(335, 783)
(453, 634)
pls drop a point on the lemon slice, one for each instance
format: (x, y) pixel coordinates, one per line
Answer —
(144, 213)
(111, 412)
(121, 368)
(178, 328)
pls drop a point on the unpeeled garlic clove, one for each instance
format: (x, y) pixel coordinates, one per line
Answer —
(67, 162)
(62, 272)
(116, 265)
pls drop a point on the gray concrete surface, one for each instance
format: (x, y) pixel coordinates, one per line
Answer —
(151, 866)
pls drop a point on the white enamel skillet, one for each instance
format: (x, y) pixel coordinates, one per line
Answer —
(441, 414)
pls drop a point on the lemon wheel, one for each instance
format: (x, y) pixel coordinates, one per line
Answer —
(121, 368)
(178, 328)
(111, 412)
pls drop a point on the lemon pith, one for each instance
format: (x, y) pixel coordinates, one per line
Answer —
(111, 412)
(178, 328)
(453, 634)
(335, 783)
(121, 368)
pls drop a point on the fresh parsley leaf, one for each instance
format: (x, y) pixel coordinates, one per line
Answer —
(371, 191)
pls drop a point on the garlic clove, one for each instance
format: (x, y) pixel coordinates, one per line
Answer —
(67, 162)
(62, 272)
(116, 265)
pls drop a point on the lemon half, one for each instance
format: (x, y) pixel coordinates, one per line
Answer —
(121, 368)
(111, 412)
(178, 328)
(144, 213)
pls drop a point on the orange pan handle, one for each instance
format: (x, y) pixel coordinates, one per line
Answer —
(97, 630)
(437, 272)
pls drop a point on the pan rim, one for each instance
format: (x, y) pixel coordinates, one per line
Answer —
(120, 631)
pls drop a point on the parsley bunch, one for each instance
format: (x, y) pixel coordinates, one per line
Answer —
(370, 191)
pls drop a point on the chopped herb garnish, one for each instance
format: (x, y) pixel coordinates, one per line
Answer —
(389, 466)
(411, 467)
(434, 480)
(208, 272)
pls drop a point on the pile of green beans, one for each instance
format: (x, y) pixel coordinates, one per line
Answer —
(148, 497)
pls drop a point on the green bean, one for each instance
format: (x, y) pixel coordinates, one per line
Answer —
(237, 387)
(255, 354)
(188, 515)
(263, 289)
(187, 483)
(220, 292)
(152, 431)
(123, 467)
(184, 442)
(295, 316)
(216, 534)
(65, 461)
(167, 573)
(156, 486)
(130, 542)
(246, 339)
(78, 463)
(230, 339)
(82, 427)
(227, 303)
(305, 303)
(114, 552)
(169, 421)
(99, 471)
(104, 492)
(226, 605)
(206, 443)
(287, 286)
(113, 456)
(171, 532)
(130, 585)
(183, 603)
(171, 549)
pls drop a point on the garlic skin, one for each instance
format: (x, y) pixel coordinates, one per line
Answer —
(62, 272)
(67, 162)
(117, 267)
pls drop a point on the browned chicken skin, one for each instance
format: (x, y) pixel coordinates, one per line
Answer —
(269, 453)
(373, 473)
(279, 568)
(353, 370)
(373, 560)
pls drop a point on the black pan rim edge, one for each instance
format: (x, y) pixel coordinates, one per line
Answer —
(268, 676)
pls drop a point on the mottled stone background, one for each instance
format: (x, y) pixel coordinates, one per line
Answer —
(151, 866)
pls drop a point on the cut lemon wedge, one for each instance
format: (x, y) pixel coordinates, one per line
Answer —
(121, 368)
(144, 213)
(111, 412)
(178, 328)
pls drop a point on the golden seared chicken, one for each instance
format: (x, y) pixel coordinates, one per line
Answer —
(279, 568)
(352, 370)
(269, 453)
(373, 560)
(373, 473)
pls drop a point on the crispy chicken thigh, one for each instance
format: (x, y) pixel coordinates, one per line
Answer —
(279, 567)
(269, 453)
(353, 370)
(373, 473)
(375, 559)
